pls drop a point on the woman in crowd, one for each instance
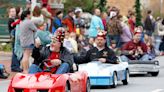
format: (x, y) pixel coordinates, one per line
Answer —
(27, 31)
(37, 17)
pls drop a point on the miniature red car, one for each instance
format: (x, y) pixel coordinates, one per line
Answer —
(47, 82)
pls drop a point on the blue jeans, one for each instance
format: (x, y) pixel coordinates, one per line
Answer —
(34, 69)
(143, 58)
(63, 68)
(15, 63)
(157, 42)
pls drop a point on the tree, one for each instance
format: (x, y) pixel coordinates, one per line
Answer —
(86, 5)
(102, 4)
(138, 13)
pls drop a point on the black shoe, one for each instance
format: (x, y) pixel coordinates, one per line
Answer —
(17, 70)
(3, 76)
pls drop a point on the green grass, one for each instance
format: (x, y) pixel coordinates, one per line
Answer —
(6, 47)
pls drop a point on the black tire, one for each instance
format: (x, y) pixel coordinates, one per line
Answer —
(88, 86)
(67, 88)
(114, 80)
(125, 82)
(18, 90)
(154, 73)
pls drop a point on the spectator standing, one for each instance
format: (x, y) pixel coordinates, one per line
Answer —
(17, 47)
(68, 21)
(37, 17)
(57, 21)
(126, 35)
(149, 24)
(15, 66)
(28, 5)
(159, 33)
(47, 15)
(96, 24)
(12, 16)
(114, 28)
(161, 47)
(27, 33)
(104, 20)
(131, 21)
(79, 22)
(161, 28)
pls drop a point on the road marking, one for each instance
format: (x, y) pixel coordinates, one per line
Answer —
(158, 90)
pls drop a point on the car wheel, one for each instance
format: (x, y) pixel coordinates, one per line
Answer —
(125, 82)
(114, 80)
(154, 73)
(67, 88)
(88, 86)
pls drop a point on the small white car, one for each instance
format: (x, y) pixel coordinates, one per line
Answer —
(104, 74)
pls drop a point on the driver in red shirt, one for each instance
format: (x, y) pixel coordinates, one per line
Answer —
(135, 49)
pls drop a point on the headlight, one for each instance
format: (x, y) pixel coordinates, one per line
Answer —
(156, 63)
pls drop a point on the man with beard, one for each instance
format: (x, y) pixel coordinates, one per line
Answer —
(135, 49)
(59, 57)
(99, 53)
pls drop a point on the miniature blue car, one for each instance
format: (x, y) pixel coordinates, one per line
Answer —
(105, 74)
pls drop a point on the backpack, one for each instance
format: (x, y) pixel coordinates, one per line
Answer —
(3, 73)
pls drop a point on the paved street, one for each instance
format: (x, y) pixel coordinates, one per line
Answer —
(138, 83)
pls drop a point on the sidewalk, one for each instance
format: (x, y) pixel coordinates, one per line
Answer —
(5, 58)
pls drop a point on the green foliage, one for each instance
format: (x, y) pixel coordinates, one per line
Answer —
(7, 47)
(102, 5)
(86, 5)
(138, 13)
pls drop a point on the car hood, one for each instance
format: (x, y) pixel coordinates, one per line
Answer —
(102, 69)
(39, 80)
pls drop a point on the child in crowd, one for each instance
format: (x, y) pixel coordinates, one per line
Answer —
(150, 47)
(70, 42)
(114, 48)
(43, 35)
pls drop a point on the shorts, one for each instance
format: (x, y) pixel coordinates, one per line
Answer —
(31, 46)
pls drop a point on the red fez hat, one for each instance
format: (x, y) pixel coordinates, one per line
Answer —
(101, 33)
(138, 30)
(58, 35)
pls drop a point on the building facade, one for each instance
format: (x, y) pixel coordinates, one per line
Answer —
(157, 6)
